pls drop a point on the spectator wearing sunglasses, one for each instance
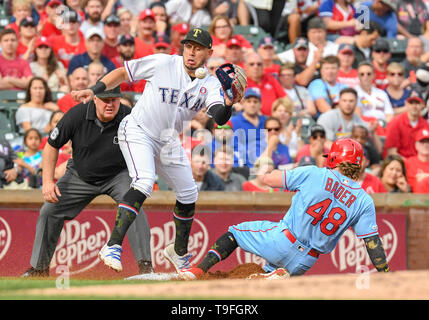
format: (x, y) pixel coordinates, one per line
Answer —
(380, 60)
(373, 103)
(395, 90)
(315, 148)
(275, 150)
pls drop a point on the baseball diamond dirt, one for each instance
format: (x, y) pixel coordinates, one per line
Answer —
(400, 285)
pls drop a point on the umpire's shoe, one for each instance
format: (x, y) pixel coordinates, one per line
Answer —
(145, 267)
(111, 256)
(35, 273)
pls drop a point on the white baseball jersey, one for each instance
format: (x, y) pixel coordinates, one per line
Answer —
(170, 96)
(377, 104)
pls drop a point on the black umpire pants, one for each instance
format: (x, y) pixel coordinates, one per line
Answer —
(75, 196)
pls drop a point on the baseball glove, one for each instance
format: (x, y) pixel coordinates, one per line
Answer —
(233, 80)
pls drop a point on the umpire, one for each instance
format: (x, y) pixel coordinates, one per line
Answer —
(97, 167)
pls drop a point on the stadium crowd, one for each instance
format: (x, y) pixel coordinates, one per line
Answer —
(322, 70)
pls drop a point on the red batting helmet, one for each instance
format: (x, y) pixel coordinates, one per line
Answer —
(344, 150)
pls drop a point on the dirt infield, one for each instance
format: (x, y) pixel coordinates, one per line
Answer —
(399, 285)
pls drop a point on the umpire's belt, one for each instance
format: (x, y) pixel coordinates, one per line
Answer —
(292, 239)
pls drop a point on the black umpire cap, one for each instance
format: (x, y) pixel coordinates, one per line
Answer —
(112, 93)
(199, 36)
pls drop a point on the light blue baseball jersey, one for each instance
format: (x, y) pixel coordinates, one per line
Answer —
(325, 206)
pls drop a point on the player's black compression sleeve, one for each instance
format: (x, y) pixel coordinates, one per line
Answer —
(220, 113)
(376, 252)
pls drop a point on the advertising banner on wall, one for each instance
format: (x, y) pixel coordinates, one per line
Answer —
(82, 238)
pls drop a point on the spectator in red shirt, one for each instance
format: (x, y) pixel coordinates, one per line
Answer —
(270, 87)
(50, 27)
(78, 81)
(146, 28)
(127, 52)
(262, 166)
(347, 75)
(72, 41)
(402, 129)
(221, 31)
(111, 32)
(380, 57)
(267, 52)
(15, 73)
(178, 33)
(316, 146)
(162, 44)
(234, 52)
(418, 166)
(20, 10)
(28, 35)
(393, 174)
(369, 182)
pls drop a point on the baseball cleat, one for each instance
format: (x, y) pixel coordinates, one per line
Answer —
(179, 262)
(35, 273)
(111, 256)
(277, 274)
(191, 273)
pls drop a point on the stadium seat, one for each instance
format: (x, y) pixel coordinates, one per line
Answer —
(397, 48)
(4, 17)
(253, 34)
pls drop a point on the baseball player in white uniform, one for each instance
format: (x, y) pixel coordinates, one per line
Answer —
(173, 94)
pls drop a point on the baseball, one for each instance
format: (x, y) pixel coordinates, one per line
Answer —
(200, 73)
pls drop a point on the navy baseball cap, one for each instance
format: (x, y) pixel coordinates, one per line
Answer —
(252, 92)
(415, 96)
(162, 41)
(126, 38)
(266, 42)
(199, 36)
(28, 21)
(113, 18)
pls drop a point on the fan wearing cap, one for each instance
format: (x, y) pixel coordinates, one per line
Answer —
(72, 41)
(126, 52)
(28, 35)
(401, 131)
(172, 97)
(316, 147)
(111, 31)
(347, 75)
(380, 60)
(146, 27)
(234, 52)
(268, 54)
(178, 33)
(15, 73)
(162, 44)
(418, 165)
(94, 40)
(46, 65)
(50, 24)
